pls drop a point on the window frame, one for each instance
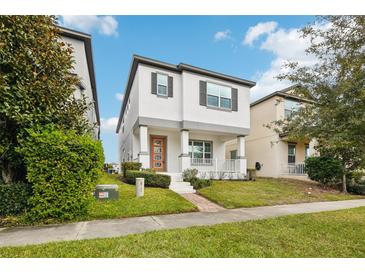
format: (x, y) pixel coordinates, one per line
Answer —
(167, 84)
(191, 151)
(289, 112)
(292, 155)
(307, 149)
(219, 97)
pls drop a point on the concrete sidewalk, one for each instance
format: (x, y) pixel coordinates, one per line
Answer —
(121, 227)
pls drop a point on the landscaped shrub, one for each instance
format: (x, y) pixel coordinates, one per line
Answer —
(151, 179)
(324, 169)
(356, 189)
(200, 183)
(130, 166)
(14, 198)
(189, 174)
(62, 168)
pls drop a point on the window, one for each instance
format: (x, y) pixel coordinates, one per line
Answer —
(233, 154)
(291, 153)
(307, 151)
(290, 107)
(161, 84)
(219, 96)
(200, 150)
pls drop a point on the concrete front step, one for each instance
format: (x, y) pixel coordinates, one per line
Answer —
(181, 187)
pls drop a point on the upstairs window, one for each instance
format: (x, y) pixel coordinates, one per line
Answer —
(290, 107)
(161, 84)
(219, 96)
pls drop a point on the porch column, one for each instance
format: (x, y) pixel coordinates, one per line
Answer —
(143, 155)
(241, 152)
(184, 156)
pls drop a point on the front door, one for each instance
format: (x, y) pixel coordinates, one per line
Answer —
(158, 153)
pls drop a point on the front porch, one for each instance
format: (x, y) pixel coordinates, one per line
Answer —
(175, 150)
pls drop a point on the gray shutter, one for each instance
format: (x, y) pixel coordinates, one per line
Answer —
(202, 93)
(154, 83)
(170, 86)
(234, 99)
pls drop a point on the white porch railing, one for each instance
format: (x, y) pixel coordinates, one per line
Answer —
(224, 165)
(294, 169)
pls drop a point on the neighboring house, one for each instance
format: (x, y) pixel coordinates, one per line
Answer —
(112, 168)
(273, 154)
(84, 68)
(176, 117)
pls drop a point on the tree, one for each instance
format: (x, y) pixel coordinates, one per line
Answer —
(36, 85)
(336, 85)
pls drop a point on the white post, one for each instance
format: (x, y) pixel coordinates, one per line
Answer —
(139, 187)
(242, 162)
(143, 155)
(184, 156)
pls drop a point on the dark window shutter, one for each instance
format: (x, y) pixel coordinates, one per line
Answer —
(234, 99)
(154, 83)
(202, 93)
(170, 86)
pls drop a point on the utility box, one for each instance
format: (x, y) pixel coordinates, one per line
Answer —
(106, 192)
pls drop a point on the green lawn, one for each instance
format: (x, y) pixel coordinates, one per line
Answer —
(155, 201)
(327, 234)
(268, 191)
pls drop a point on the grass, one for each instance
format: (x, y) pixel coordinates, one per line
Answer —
(154, 202)
(328, 234)
(268, 191)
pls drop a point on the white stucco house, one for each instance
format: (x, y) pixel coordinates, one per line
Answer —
(176, 117)
(84, 69)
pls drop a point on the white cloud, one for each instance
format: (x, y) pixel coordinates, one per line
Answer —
(119, 96)
(106, 25)
(285, 45)
(109, 124)
(258, 30)
(222, 35)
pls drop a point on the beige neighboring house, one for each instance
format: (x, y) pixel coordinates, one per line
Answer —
(271, 154)
(84, 69)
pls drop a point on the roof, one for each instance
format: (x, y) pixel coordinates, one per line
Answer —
(86, 38)
(281, 93)
(137, 59)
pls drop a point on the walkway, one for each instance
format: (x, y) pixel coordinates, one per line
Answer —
(203, 204)
(121, 227)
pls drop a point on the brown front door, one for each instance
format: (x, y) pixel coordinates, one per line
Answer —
(158, 153)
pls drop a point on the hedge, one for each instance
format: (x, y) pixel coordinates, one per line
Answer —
(151, 179)
(14, 198)
(357, 189)
(200, 183)
(325, 170)
(130, 166)
(62, 168)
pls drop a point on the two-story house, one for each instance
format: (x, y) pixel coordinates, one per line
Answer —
(84, 69)
(272, 154)
(176, 117)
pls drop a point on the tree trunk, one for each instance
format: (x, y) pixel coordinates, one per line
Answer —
(7, 174)
(344, 188)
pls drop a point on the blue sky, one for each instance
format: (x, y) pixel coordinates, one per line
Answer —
(250, 47)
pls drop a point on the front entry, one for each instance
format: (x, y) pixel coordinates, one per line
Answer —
(158, 153)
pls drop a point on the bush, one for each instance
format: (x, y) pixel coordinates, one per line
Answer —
(14, 198)
(324, 170)
(189, 174)
(356, 189)
(62, 168)
(200, 183)
(151, 179)
(130, 166)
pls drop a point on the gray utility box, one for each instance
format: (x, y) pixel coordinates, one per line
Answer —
(106, 192)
